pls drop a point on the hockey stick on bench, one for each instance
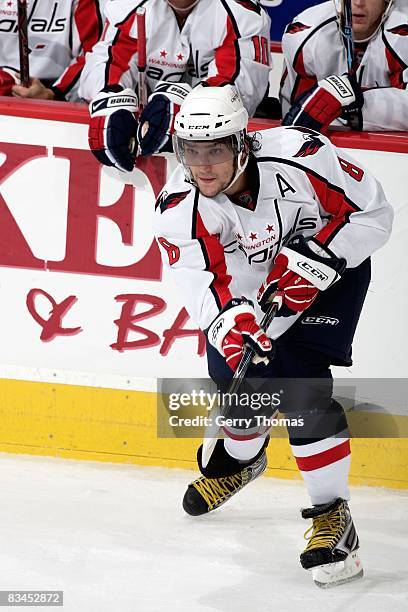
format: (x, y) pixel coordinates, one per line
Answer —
(346, 30)
(23, 42)
(211, 433)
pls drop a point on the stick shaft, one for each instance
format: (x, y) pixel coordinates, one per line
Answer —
(23, 42)
(141, 56)
(210, 441)
(347, 32)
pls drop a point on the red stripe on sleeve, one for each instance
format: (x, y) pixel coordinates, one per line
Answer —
(396, 68)
(121, 52)
(88, 23)
(68, 78)
(319, 460)
(89, 26)
(214, 253)
(335, 203)
(227, 58)
(304, 81)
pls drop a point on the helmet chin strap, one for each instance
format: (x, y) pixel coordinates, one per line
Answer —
(241, 165)
(183, 10)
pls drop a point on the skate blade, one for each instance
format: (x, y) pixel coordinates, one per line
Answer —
(335, 574)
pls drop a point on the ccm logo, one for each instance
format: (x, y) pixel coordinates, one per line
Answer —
(319, 321)
(305, 265)
(217, 329)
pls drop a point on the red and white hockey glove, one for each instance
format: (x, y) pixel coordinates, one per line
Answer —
(299, 272)
(236, 326)
(157, 119)
(328, 100)
(8, 78)
(112, 128)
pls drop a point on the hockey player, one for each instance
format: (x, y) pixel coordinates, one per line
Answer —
(188, 42)
(281, 215)
(59, 35)
(315, 88)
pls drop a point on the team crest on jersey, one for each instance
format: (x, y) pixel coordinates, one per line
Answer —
(310, 147)
(167, 201)
(295, 27)
(401, 30)
(251, 5)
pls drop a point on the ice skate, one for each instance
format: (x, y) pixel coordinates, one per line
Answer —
(331, 552)
(206, 494)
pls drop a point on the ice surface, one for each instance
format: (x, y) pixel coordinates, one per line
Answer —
(116, 539)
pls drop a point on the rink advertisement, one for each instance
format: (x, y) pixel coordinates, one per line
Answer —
(87, 304)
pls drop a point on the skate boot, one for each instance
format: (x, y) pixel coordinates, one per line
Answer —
(331, 552)
(223, 477)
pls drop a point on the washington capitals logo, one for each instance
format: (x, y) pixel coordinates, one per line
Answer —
(402, 30)
(310, 147)
(251, 5)
(295, 27)
(167, 201)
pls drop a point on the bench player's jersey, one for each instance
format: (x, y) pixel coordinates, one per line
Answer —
(222, 41)
(216, 249)
(313, 50)
(59, 34)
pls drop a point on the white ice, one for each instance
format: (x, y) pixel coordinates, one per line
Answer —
(116, 539)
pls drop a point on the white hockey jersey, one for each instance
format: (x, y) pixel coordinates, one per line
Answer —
(221, 41)
(313, 50)
(216, 249)
(59, 34)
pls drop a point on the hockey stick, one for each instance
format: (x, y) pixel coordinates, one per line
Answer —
(141, 56)
(23, 42)
(212, 432)
(346, 29)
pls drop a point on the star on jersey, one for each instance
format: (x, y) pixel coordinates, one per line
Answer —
(253, 236)
(270, 228)
(163, 53)
(180, 57)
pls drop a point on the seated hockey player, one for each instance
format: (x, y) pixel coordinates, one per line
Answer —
(188, 42)
(59, 35)
(315, 88)
(241, 215)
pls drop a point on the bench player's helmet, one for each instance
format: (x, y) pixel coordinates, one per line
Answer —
(339, 6)
(212, 114)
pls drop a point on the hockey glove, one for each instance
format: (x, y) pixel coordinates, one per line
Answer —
(318, 107)
(112, 128)
(8, 78)
(157, 119)
(236, 326)
(299, 272)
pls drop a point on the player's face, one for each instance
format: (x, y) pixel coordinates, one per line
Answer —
(366, 17)
(212, 165)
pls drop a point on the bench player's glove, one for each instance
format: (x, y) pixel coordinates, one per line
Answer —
(318, 107)
(236, 326)
(8, 78)
(157, 119)
(112, 128)
(299, 272)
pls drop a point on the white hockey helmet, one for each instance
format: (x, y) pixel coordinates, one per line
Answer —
(212, 114)
(339, 8)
